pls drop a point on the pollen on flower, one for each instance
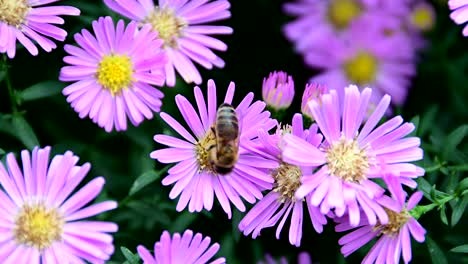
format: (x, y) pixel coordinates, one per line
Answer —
(395, 222)
(342, 12)
(287, 180)
(38, 226)
(361, 69)
(13, 12)
(167, 23)
(202, 149)
(115, 72)
(346, 160)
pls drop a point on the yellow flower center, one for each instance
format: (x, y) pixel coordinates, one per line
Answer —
(395, 222)
(169, 26)
(346, 160)
(422, 18)
(361, 69)
(115, 72)
(342, 12)
(287, 180)
(13, 12)
(202, 150)
(38, 226)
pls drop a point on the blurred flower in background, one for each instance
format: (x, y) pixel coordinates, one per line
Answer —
(354, 42)
(280, 203)
(187, 248)
(278, 90)
(114, 74)
(30, 20)
(302, 258)
(194, 175)
(42, 221)
(181, 24)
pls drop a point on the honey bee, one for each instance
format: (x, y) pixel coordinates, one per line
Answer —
(224, 153)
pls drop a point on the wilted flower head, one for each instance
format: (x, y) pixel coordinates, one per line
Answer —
(393, 238)
(459, 13)
(278, 90)
(195, 176)
(187, 248)
(113, 74)
(352, 156)
(28, 21)
(42, 219)
(280, 203)
(311, 91)
(181, 24)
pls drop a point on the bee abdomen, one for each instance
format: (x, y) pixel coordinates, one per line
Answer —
(227, 124)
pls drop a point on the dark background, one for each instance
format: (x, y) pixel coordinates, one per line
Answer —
(439, 97)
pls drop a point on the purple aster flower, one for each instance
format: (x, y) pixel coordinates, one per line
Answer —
(185, 249)
(42, 221)
(367, 58)
(311, 91)
(113, 73)
(394, 237)
(302, 258)
(28, 21)
(459, 13)
(280, 203)
(181, 24)
(278, 90)
(352, 156)
(194, 175)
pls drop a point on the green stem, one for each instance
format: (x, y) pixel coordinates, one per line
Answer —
(419, 210)
(11, 92)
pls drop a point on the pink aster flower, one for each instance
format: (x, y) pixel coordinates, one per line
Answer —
(311, 91)
(194, 175)
(28, 21)
(182, 26)
(280, 203)
(352, 156)
(42, 221)
(367, 58)
(302, 258)
(394, 237)
(278, 90)
(113, 73)
(185, 249)
(459, 13)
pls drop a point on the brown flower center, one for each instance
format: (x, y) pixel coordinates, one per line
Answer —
(346, 160)
(202, 149)
(287, 180)
(395, 222)
(169, 26)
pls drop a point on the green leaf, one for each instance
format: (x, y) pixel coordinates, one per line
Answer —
(458, 211)
(143, 180)
(437, 255)
(443, 215)
(463, 185)
(425, 187)
(454, 139)
(41, 90)
(131, 258)
(2, 74)
(415, 120)
(427, 121)
(24, 132)
(182, 222)
(460, 249)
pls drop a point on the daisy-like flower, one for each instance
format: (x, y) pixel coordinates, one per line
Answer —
(352, 156)
(42, 221)
(394, 237)
(311, 91)
(459, 13)
(113, 73)
(367, 58)
(181, 24)
(278, 90)
(187, 248)
(194, 174)
(318, 21)
(28, 21)
(280, 203)
(422, 17)
(302, 258)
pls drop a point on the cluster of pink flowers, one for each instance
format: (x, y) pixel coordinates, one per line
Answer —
(353, 42)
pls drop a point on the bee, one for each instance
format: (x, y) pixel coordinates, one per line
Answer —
(225, 151)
